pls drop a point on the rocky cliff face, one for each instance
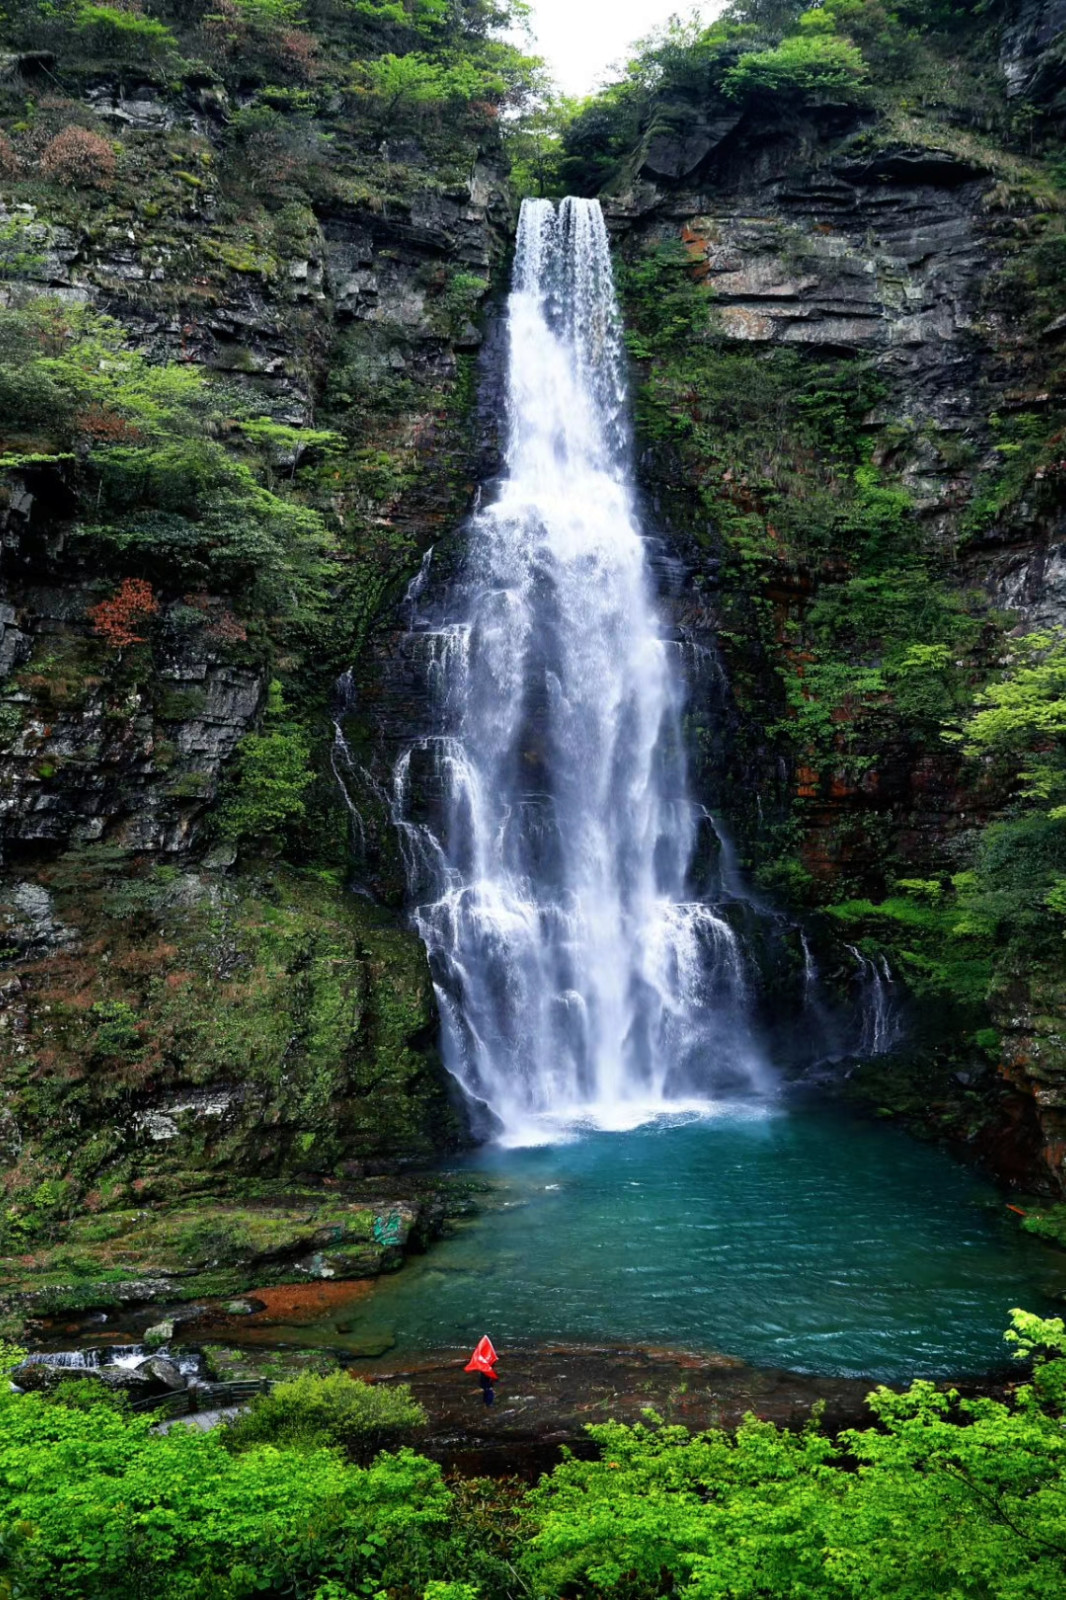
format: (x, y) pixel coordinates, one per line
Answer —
(180, 998)
(1031, 52)
(878, 264)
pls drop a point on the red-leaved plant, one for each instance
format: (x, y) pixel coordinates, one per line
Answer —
(78, 157)
(129, 608)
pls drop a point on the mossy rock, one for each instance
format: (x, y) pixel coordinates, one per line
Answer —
(313, 1056)
(1048, 1223)
(224, 1364)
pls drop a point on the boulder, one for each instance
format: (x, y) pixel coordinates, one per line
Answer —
(39, 1375)
(163, 1371)
(674, 152)
(159, 1333)
(36, 1375)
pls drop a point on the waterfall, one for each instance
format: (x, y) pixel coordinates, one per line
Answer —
(93, 1359)
(545, 819)
(880, 1021)
(343, 763)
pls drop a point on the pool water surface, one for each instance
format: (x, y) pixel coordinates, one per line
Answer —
(790, 1238)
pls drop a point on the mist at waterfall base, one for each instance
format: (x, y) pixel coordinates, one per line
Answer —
(585, 989)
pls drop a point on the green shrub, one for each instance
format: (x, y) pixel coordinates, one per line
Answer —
(1022, 718)
(161, 494)
(94, 1506)
(941, 944)
(1049, 1222)
(808, 66)
(944, 1496)
(84, 1394)
(116, 1035)
(129, 35)
(313, 1412)
(266, 789)
(10, 1356)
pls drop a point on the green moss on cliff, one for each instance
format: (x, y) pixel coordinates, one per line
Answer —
(210, 1028)
(244, 255)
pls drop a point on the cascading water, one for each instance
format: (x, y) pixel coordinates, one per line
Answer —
(881, 1025)
(576, 978)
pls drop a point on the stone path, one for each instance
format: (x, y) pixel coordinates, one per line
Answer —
(202, 1420)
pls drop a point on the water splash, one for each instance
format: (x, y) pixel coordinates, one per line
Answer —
(546, 823)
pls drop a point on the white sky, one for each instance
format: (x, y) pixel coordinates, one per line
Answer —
(582, 39)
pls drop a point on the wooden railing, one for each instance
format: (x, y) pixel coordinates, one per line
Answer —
(211, 1397)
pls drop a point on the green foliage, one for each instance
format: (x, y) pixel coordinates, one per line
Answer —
(1029, 447)
(270, 13)
(1016, 890)
(886, 37)
(270, 777)
(1047, 1223)
(941, 1496)
(163, 497)
(534, 143)
(89, 373)
(21, 251)
(937, 937)
(461, 297)
(116, 1034)
(451, 1591)
(676, 311)
(39, 1209)
(952, 1497)
(112, 30)
(955, 938)
(10, 1356)
(1019, 862)
(402, 84)
(809, 66)
(86, 1394)
(94, 1507)
(410, 80)
(886, 644)
(1023, 717)
(314, 1412)
(186, 513)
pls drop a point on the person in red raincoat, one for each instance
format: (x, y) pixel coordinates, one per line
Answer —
(483, 1362)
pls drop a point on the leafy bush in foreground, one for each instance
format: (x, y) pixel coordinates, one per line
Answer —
(964, 1499)
(945, 1496)
(93, 1506)
(312, 1412)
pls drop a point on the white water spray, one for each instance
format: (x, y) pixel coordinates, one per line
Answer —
(576, 978)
